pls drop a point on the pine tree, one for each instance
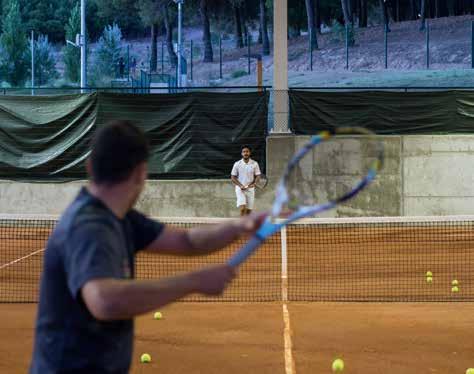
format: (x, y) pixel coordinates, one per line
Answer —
(13, 46)
(72, 55)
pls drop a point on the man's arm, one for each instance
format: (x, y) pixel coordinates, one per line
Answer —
(255, 181)
(204, 239)
(236, 182)
(117, 299)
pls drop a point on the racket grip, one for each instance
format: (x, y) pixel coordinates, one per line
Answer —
(243, 253)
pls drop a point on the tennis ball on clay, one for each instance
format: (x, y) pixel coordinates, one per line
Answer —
(455, 289)
(455, 283)
(145, 358)
(429, 279)
(470, 371)
(157, 315)
(429, 274)
(338, 365)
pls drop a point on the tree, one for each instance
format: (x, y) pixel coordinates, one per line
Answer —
(206, 31)
(169, 35)
(423, 15)
(13, 45)
(45, 65)
(236, 6)
(71, 54)
(108, 54)
(47, 17)
(311, 23)
(124, 13)
(345, 11)
(413, 9)
(153, 13)
(363, 13)
(264, 29)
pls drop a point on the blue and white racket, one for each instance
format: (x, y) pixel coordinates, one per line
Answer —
(343, 164)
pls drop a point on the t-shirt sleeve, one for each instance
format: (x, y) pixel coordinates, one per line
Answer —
(144, 229)
(92, 252)
(235, 171)
(257, 169)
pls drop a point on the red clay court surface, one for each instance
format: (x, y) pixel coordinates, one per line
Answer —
(209, 338)
(365, 263)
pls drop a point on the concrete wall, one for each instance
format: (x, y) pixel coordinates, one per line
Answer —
(423, 175)
(438, 175)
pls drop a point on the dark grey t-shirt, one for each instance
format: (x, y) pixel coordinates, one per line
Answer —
(89, 242)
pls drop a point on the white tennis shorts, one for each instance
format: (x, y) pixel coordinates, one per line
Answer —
(246, 197)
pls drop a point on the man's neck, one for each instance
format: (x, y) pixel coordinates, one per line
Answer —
(246, 160)
(113, 197)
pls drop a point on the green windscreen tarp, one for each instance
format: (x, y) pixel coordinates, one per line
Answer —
(397, 113)
(192, 135)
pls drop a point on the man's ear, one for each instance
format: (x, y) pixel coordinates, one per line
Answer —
(140, 173)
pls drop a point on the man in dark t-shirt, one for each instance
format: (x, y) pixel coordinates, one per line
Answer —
(88, 295)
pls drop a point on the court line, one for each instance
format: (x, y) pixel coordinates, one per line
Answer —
(289, 362)
(288, 346)
(21, 258)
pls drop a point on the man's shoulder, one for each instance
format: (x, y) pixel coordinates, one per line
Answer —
(237, 163)
(86, 216)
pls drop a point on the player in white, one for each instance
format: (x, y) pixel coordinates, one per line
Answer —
(244, 175)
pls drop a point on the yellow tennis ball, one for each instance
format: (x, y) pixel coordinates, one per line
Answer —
(145, 358)
(338, 365)
(470, 371)
(429, 274)
(455, 282)
(455, 289)
(157, 315)
(429, 279)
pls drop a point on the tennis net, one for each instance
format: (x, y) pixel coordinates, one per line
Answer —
(349, 259)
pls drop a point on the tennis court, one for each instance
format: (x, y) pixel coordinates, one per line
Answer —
(322, 289)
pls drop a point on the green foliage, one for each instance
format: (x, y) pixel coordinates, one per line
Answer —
(238, 74)
(339, 33)
(45, 65)
(46, 17)
(71, 54)
(149, 12)
(13, 46)
(109, 51)
(124, 13)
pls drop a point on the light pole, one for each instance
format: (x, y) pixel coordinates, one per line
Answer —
(82, 43)
(180, 18)
(32, 63)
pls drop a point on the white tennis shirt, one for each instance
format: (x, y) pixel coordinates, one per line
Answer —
(246, 171)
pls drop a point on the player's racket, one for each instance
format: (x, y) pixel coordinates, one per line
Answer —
(261, 182)
(343, 164)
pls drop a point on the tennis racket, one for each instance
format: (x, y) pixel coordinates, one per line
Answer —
(343, 163)
(262, 182)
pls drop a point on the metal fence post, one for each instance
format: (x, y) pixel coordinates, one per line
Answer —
(248, 52)
(162, 57)
(311, 50)
(347, 47)
(220, 57)
(472, 44)
(191, 59)
(386, 46)
(427, 44)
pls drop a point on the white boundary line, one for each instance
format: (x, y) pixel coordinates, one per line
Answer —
(21, 258)
(288, 345)
(289, 362)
